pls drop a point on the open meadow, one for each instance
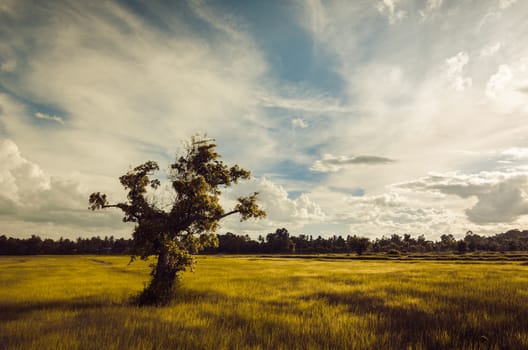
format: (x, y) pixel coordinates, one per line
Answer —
(84, 302)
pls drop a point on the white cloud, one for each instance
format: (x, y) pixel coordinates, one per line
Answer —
(505, 88)
(53, 118)
(331, 163)
(515, 153)
(29, 196)
(297, 99)
(131, 91)
(392, 213)
(490, 49)
(389, 7)
(431, 7)
(299, 123)
(499, 82)
(504, 4)
(501, 196)
(455, 71)
(19, 178)
(433, 4)
(281, 210)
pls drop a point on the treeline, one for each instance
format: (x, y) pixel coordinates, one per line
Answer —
(282, 242)
(35, 245)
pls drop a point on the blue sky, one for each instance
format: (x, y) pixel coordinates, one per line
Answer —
(356, 117)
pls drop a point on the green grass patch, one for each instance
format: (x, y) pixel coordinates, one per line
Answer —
(84, 302)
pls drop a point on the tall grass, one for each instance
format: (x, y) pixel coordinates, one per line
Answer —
(262, 303)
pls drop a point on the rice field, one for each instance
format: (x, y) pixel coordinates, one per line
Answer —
(84, 302)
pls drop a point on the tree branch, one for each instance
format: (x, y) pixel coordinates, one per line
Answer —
(227, 214)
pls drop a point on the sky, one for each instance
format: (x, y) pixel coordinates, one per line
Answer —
(367, 117)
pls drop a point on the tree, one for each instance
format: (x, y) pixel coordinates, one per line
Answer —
(357, 244)
(188, 225)
(280, 242)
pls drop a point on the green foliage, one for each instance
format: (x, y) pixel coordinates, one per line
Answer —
(174, 235)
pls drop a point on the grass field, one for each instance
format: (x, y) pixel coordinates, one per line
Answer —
(83, 302)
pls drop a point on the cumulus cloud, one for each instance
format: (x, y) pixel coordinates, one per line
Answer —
(499, 82)
(501, 196)
(53, 118)
(455, 71)
(505, 201)
(391, 212)
(29, 196)
(331, 163)
(299, 123)
(280, 208)
(19, 178)
(515, 154)
(390, 8)
(505, 88)
(390, 199)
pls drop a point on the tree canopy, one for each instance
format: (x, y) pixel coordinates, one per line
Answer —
(175, 234)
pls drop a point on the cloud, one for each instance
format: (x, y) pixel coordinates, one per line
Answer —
(281, 210)
(432, 5)
(502, 197)
(7, 6)
(129, 86)
(504, 4)
(503, 202)
(132, 90)
(523, 89)
(301, 100)
(499, 82)
(8, 65)
(19, 178)
(54, 118)
(490, 49)
(505, 88)
(389, 7)
(515, 154)
(331, 163)
(299, 123)
(29, 196)
(455, 69)
(391, 212)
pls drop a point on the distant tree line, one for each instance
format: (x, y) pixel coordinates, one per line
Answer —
(281, 242)
(36, 245)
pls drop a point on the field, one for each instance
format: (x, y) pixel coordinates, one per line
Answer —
(83, 302)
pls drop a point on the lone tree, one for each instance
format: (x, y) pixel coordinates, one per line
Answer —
(189, 225)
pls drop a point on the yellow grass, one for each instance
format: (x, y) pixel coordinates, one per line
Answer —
(83, 302)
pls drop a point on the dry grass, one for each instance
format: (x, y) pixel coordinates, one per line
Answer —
(253, 303)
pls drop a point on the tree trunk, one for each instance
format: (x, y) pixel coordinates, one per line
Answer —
(161, 286)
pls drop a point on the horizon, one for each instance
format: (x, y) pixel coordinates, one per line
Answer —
(364, 117)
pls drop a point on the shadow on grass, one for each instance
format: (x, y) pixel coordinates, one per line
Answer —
(20, 310)
(446, 327)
